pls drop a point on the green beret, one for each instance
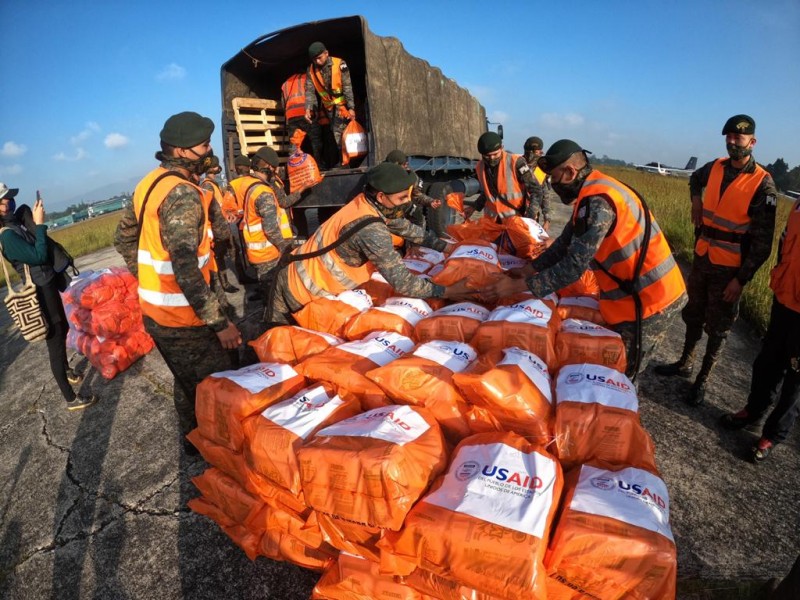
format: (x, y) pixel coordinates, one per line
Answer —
(397, 156)
(186, 130)
(390, 178)
(268, 155)
(558, 153)
(533, 143)
(241, 161)
(315, 49)
(739, 124)
(489, 142)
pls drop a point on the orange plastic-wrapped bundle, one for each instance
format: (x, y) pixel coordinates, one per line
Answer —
(550, 300)
(444, 589)
(94, 288)
(301, 167)
(613, 537)
(455, 322)
(396, 314)
(597, 418)
(586, 342)
(345, 365)
(584, 308)
(113, 355)
(528, 324)
(273, 495)
(473, 260)
(290, 344)
(372, 468)
(240, 535)
(377, 288)
(345, 536)
(425, 378)
(585, 286)
(455, 200)
(479, 229)
(508, 262)
(273, 437)
(226, 460)
(486, 522)
(330, 315)
(226, 398)
(288, 537)
(417, 265)
(522, 237)
(515, 388)
(354, 142)
(228, 495)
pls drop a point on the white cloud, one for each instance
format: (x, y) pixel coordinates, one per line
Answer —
(85, 134)
(80, 154)
(172, 72)
(498, 116)
(557, 120)
(11, 170)
(13, 149)
(115, 140)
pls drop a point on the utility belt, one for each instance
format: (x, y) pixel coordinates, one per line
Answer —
(712, 233)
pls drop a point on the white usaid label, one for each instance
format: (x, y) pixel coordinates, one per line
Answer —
(411, 310)
(501, 485)
(531, 312)
(633, 496)
(358, 299)
(535, 230)
(455, 356)
(595, 384)
(396, 424)
(376, 276)
(258, 377)
(463, 309)
(331, 339)
(508, 262)
(532, 366)
(381, 347)
(356, 143)
(417, 266)
(435, 270)
(429, 254)
(587, 328)
(580, 301)
(305, 411)
(486, 254)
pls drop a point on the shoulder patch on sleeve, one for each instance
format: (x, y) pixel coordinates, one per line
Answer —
(343, 66)
(772, 201)
(524, 169)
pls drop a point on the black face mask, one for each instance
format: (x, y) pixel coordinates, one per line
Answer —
(568, 192)
(389, 212)
(738, 152)
(267, 170)
(195, 166)
(492, 162)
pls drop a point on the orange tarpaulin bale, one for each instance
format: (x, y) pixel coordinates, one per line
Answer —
(224, 492)
(613, 537)
(377, 288)
(515, 388)
(370, 469)
(479, 229)
(522, 237)
(585, 308)
(226, 460)
(396, 314)
(224, 399)
(290, 344)
(288, 537)
(597, 418)
(486, 522)
(473, 260)
(243, 537)
(443, 589)
(330, 315)
(586, 285)
(585, 342)
(456, 322)
(343, 535)
(273, 495)
(273, 436)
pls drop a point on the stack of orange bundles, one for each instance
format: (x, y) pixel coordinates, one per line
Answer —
(585, 308)
(479, 229)
(527, 324)
(396, 314)
(425, 378)
(417, 265)
(485, 524)
(345, 365)
(585, 342)
(586, 285)
(439, 588)
(613, 537)
(522, 237)
(372, 468)
(473, 260)
(330, 315)
(290, 344)
(455, 322)
(597, 418)
(515, 388)
(289, 537)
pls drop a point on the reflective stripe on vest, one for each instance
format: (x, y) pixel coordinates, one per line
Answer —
(333, 96)
(160, 296)
(259, 248)
(727, 213)
(660, 281)
(785, 277)
(508, 188)
(293, 93)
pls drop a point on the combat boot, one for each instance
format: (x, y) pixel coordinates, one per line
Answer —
(227, 285)
(685, 364)
(697, 394)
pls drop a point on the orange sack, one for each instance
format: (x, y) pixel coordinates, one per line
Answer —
(597, 418)
(443, 589)
(354, 142)
(455, 322)
(473, 260)
(514, 386)
(396, 314)
(224, 399)
(301, 167)
(290, 344)
(226, 460)
(273, 437)
(240, 535)
(353, 538)
(522, 237)
(486, 522)
(479, 229)
(613, 538)
(330, 315)
(585, 342)
(527, 324)
(225, 493)
(425, 378)
(585, 308)
(508, 262)
(372, 468)
(377, 288)
(585, 286)
(288, 537)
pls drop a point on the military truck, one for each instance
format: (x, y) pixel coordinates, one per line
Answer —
(401, 101)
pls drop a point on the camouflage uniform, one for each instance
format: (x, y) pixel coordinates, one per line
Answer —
(420, 200)
(544, 213)
(223, 241)
(266, 208)
(533, 191)
(337, 121)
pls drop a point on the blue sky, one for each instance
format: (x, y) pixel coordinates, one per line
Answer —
(88, 85)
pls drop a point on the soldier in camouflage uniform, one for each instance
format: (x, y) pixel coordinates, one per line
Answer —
(333, 106)
(534, 147)
(223, 244)
(715, 288)
(419, 199)
(574, 251)
(190, 352)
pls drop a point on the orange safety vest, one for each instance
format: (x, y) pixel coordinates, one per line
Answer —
(259, 248)
(215, 190)
(725, 218)
(785, 277)
(510, 200)
(660, 280)
(160, 296)
(328, 275)
(335, 95)
(293, 93)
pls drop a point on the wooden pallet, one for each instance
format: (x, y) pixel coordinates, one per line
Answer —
(260, 123)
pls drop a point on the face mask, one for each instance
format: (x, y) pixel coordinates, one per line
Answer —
(268, 171)
(738, 152)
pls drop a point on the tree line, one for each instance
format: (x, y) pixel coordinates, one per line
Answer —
(785, 178)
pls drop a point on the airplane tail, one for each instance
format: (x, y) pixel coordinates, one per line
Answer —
(692, 164)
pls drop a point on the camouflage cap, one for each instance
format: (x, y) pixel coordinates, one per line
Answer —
(533, 143)
(186, 130)
(268, 155)
(558, 153)
(739, 124)
(241, 161)
(390, 178)
(489, 142)
(397, 156)
(315, 49)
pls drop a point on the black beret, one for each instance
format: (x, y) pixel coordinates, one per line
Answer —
(397, 156)
(214, 161)
(315, 49)
(558, 153)
(268, 155)
(489, 142)
(533, 143)
(390, 178)
(186, 130)
(241, 161)
(739, 124)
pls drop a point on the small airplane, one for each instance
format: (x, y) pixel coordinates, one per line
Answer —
(654, 167)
